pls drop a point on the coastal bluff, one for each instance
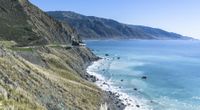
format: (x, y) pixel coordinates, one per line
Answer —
(40, 68)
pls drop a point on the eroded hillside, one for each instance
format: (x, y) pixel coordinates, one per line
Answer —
(40, 68)
(52, 83)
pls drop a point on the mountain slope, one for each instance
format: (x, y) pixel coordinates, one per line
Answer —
(52, 83)
(157, 33)
(90, 27)
(28, 25)
(40, 76)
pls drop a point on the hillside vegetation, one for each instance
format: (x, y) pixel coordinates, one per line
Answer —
(40, 69)
(26, 24)
(47, 78)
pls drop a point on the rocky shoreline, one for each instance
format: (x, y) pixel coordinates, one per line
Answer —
(34, 58)
(114, 103)
(110, 98)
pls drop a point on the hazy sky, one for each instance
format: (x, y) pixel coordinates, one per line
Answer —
(180, 16)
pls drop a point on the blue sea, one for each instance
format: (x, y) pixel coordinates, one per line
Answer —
(172, 69)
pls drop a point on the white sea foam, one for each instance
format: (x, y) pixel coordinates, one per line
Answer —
(196, 97)
(122, 65)
(107, 85)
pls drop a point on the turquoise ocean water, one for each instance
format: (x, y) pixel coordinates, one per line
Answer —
(172, 69)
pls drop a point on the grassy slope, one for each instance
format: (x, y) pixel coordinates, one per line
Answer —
(41, 77)
(28, 25)
(53, 86)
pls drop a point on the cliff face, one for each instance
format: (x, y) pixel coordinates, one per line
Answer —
(90, 27)
(28, 25)
(53, 82)
(36, 76)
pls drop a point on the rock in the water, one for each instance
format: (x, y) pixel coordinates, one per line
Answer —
(106, 54)
(138, 106)
(152, 101)
(135, 89)
(144, 77)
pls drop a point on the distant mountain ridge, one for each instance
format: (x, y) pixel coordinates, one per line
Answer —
(90, 27)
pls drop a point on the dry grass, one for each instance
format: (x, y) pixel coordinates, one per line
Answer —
(59, 80)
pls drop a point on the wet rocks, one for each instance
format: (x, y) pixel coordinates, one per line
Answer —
(106, 54)
(138, 106)
(135, 89)
(106, 84)
(144, 77)
(116, 102)
(91, 78)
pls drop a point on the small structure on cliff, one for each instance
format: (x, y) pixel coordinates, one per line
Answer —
(77, 42)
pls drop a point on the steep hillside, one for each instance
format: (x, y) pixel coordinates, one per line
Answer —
(39, 68)
(51, 82)
(28, 25)
(90, 27)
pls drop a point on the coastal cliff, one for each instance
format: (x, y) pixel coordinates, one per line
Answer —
(53, 82)
(40, 68)
(50, 78)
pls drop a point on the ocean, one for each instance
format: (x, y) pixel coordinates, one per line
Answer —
(149, 74)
